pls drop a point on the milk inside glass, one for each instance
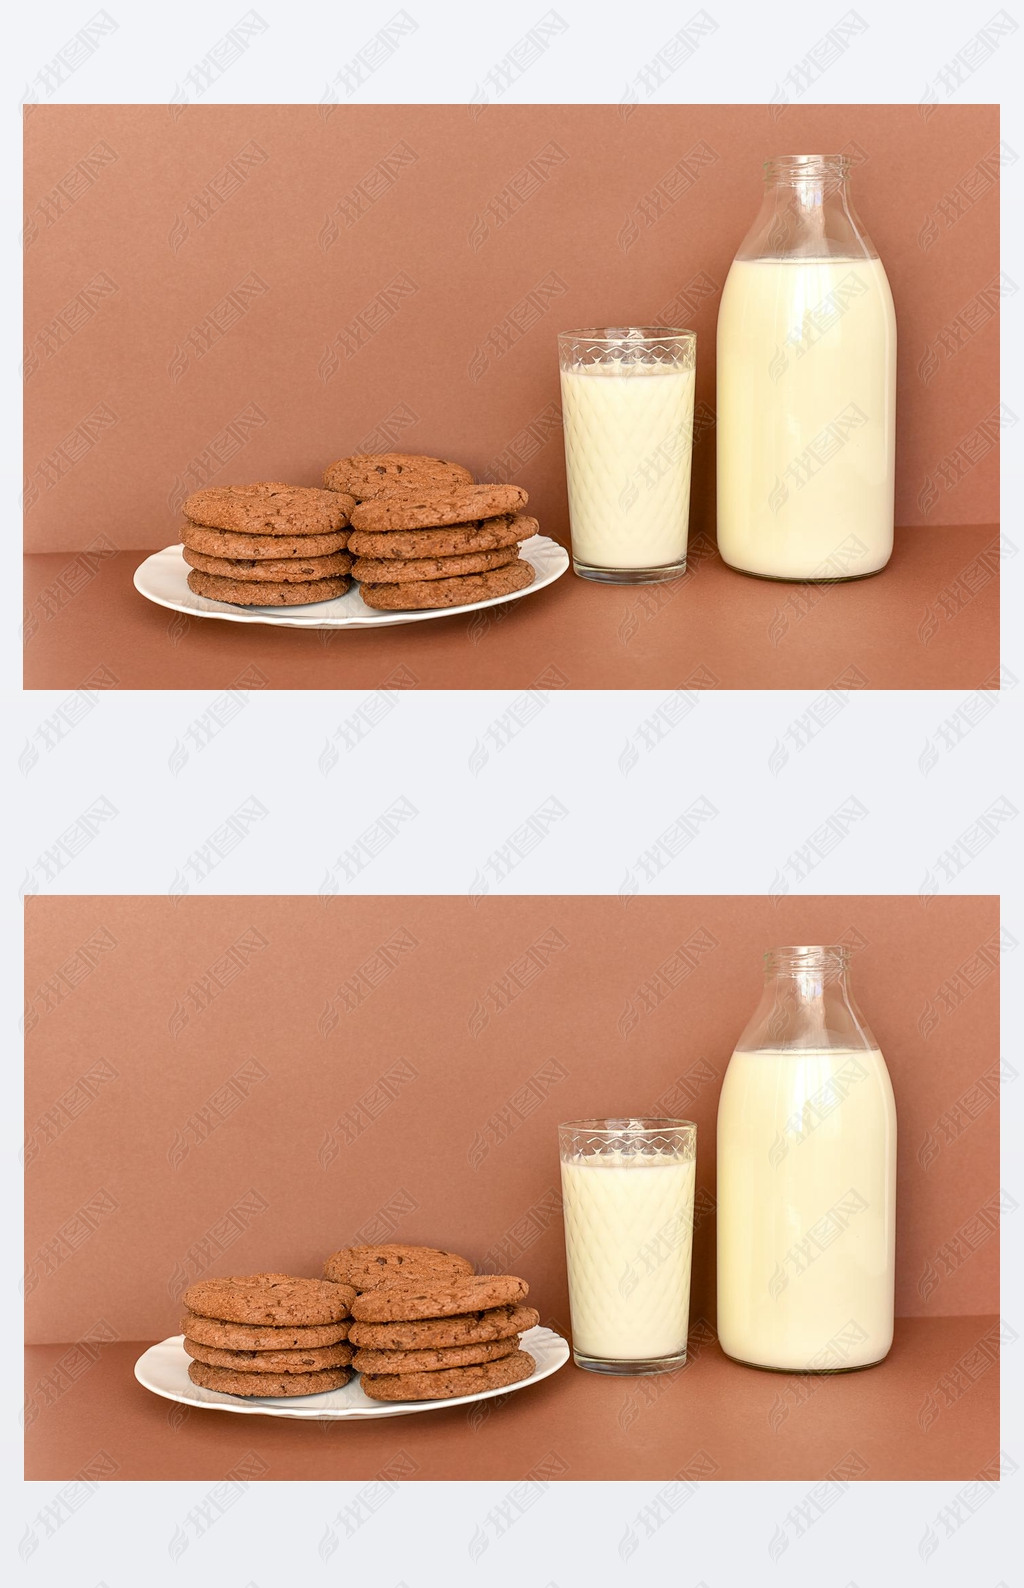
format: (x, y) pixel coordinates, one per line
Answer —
(628, 1235)
(806, 1208)
(806, 417)
(627, 414)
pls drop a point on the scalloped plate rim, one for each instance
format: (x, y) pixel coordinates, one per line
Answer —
(169, 1357)
(168, 567)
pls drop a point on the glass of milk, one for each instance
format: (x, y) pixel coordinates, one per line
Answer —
(627, 417)
(627, 1203)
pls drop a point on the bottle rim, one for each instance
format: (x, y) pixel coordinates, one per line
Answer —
(807, 956)
(809, 167)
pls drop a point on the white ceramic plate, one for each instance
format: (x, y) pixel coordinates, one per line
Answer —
(163, 578)
(164, 1370)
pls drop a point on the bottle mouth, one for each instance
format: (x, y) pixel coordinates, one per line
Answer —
(824, 957)
(784, 168)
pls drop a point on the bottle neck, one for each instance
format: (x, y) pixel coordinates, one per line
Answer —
(806, 212)
(806, 1003)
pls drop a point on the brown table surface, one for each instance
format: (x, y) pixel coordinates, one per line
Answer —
(929, 621)
(917, 1415)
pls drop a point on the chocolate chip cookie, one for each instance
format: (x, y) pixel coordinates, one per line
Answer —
(395, 570)
(366, 475)
(233, 545)
(408, 509)
(270, 1298)
(497, 1323)
(270, 1386)
(441, 1298)
(256, 593)
(432, 593)
(313, 1360)
(432, 1361)
(270, 507)
(485, 534)
(366, 1267)
(262, 1337)
(453, 1381)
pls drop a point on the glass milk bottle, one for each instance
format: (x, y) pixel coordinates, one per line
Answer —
(806, 1177)
(806, 400)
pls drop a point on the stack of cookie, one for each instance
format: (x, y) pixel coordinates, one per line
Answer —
(268, 544)
(268, 1335)
(428, 1328)
(424, 536)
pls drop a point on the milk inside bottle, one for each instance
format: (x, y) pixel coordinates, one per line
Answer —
(806, 394)
(806, 1177)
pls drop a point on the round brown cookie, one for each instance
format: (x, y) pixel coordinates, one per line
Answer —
(498, 1323)
(267, 1385)
(313, 1360)
(272, 570)
(407, 509)
(449, 592)
(392, 570)
(369, 474)
(265, 1337)
(269, 508)
(484, 534)
(269, 1298)
(441, 1298)
(453, 1381)
(229, 543)
(432, 1361)
(365, 1267)
(253, 593)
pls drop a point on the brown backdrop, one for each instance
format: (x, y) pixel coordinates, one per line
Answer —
(230, 293)
(232, 1084)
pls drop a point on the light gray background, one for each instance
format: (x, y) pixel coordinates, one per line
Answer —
(127, 751)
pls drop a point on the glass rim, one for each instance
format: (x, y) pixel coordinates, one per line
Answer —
(635, 335)
(634, 1125)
